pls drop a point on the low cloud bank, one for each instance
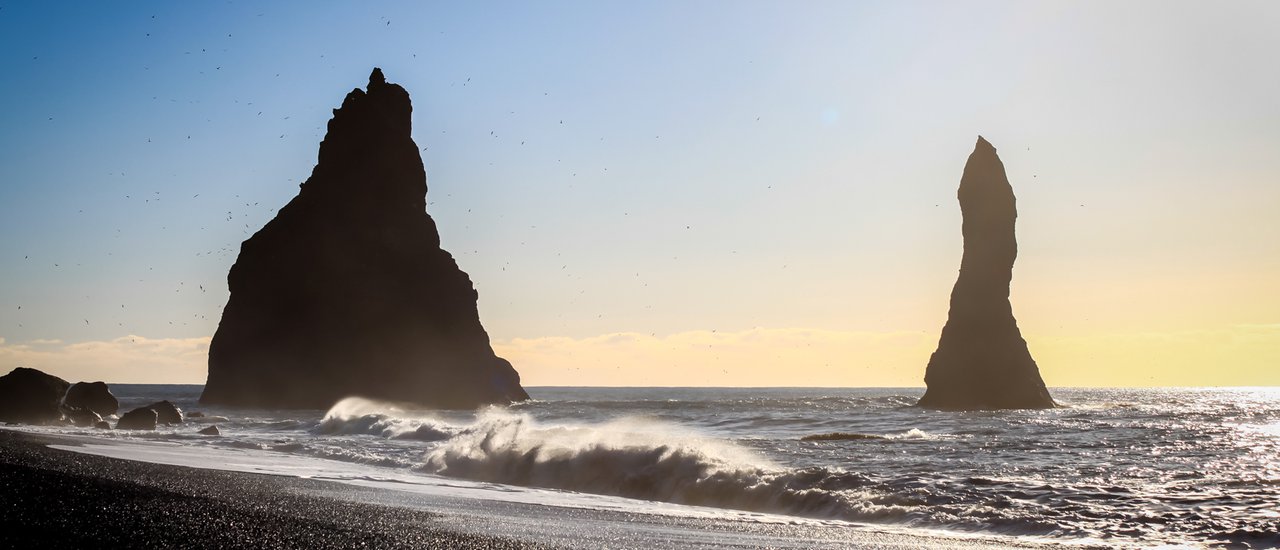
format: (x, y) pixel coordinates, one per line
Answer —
(128, 359)
(1239, 355)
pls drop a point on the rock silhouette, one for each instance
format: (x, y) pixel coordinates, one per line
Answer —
(30, 396)
(347, 291)
(141, 418)
(166, 412)
(80, 416)
(982, 362)
(146, 418)
(95, 396)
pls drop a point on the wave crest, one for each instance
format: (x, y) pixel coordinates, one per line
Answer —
(641, 459)
(360, 416)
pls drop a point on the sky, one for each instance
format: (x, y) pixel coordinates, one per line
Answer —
(667, 193)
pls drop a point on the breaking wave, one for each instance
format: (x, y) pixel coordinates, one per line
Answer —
(641, 459)
(634, 457)
(359, 416)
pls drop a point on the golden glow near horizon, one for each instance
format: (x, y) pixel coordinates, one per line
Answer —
(1241, 355)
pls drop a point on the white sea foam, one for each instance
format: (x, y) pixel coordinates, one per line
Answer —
(913, 433)
(631, 457)
(643, 459)
(356, 416)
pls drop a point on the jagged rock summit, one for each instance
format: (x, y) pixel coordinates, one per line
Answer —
(347, 291)
(982, 362)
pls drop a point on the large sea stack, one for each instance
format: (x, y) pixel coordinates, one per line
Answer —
(347, 291)
(982, 362)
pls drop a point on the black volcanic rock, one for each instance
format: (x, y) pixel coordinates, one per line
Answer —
(166, 412)
(347, 291)
(80, 416)
(141, 418)
(211, 430)
(982, 362)
(95, 396)
(31, 396)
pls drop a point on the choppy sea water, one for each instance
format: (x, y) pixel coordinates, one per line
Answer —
(1141, 466)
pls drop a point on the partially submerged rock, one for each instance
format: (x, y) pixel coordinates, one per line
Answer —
(148, 417)
(166, 412)
(982, 362)
(80, 416)
(347, 291)
(211, 430)
(30, 396)
(141, 418)
(95, 396)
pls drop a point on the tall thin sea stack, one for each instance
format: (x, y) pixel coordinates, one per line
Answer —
(347, 291)
(982, 362)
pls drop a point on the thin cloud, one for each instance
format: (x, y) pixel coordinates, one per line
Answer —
(128, 359)
(756, 357)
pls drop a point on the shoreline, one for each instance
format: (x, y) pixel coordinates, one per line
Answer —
(59, 498)
(63, 499)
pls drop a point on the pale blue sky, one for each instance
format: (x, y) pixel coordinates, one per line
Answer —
(657, 167)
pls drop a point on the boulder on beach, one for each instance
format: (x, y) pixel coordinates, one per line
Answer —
(95, 396)
(146, 418)
(166, 412)
(982, 362)
(80, 416)
(211, 430)
(30, 396)
(141, 418)
(347, 290)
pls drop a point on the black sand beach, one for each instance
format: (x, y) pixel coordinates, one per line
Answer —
(59, 499)
(55, 498)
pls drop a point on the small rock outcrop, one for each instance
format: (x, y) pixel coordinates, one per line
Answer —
(80, 416)
(347, 291)
(148, 417)
(982, 362)
(166, 412)
(30, 396)
(141, 418)
(95, 396)
(102, 425)
(211, 430)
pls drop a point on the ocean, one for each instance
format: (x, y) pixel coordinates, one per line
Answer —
(1112, 467)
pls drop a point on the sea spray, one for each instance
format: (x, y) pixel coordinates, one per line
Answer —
(638, 458)
(356, 415)
(633, 457)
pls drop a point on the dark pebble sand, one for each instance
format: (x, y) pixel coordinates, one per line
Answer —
(59, 499)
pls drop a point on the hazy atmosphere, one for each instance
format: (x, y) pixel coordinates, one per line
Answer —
(688, 194)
